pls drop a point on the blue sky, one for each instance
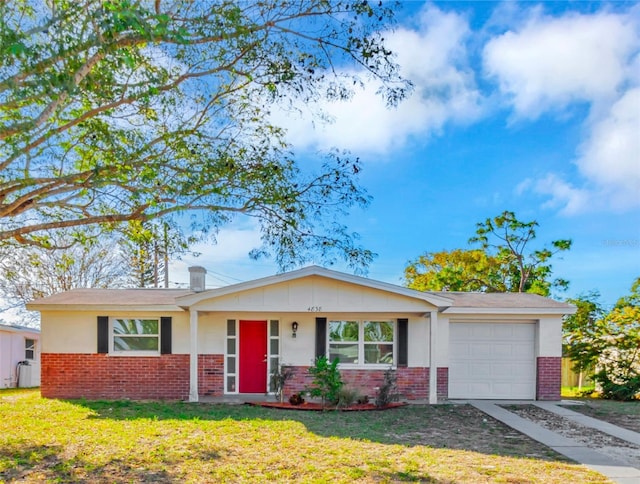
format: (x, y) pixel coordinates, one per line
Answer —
(529, 107)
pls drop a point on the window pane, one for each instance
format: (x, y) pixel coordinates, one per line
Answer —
(343, 331)
(135, 326)
(231, 346)
(274, 327)
(344, 353)
(231, 383)
(135, 343)
(274, 347)
(378, 353)
(29, 349)
(231, 364)
(231, 327)
(378, 331)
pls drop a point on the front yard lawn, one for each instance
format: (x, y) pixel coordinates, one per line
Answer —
(67, 441)
(623, 414)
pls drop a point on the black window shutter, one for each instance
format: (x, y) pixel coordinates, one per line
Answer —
(403, 342)
(321, 337)
(103, 334)
(165, 336)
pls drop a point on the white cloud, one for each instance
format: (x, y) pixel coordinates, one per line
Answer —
(548, 65)
(434, 58)
(552, 62)
(611, 154)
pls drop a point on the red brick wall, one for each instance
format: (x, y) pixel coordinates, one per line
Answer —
(211, 375)
(443, 383)
(548, 380)
(413, 383)
(99, 376)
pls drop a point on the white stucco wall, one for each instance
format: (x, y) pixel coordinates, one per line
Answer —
(76, 331)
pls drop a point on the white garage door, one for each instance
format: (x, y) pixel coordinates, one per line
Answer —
(492, 360)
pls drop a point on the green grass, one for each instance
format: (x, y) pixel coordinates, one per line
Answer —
(576, 392)
(78, 441)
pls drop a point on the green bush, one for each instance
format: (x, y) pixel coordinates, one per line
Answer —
(348, 396)
(327, 380)
(624, 388)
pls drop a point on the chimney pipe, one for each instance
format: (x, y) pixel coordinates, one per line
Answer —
(196, 278)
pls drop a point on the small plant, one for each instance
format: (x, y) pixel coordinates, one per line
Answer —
(296, 399)
(388, 391)
(363, 399)
(279, 377)
(347, 396)
(327, 380)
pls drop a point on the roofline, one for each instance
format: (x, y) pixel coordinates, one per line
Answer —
(18, 329)
(192, 299)
(105, 307)
(473, 310)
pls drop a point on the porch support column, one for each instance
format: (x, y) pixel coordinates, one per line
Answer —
(193, 360)
(433, 364)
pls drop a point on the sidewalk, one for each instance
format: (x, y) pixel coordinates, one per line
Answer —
(619, 472)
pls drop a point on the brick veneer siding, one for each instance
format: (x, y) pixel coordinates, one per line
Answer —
(413, 383)
(443, 383)
(211, 375)
(100, 376)
(549, 379)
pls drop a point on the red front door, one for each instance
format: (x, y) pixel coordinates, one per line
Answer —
(253, 357)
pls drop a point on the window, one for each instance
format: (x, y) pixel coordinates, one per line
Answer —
(362, 342)
(29, 349)
(136, 335)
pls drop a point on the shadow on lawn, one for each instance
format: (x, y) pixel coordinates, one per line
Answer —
(47, 463)
(459, 427)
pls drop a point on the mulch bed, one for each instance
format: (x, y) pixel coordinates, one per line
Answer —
(316, 407)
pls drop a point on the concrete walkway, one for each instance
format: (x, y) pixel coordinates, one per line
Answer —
(617, 471)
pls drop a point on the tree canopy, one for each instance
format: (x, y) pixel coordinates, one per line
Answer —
(607, 342)
(503, 263)
(122, 110)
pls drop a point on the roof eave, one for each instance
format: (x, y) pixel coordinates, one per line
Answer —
(106, 307)
(497, 310)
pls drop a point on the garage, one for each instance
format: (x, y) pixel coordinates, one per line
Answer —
(492, 360)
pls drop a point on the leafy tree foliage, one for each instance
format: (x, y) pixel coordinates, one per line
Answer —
(580, 330)
(608, 342)
(28, 273)
(147, 248)
(129, 110)
(455, 270)
(503, 263)
(523, 271)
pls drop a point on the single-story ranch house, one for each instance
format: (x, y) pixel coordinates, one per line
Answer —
(183, 344)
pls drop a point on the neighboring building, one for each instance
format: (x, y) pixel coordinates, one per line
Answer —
(182, 344)
(19, 356)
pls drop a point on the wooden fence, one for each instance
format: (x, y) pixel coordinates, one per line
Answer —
(571, 378)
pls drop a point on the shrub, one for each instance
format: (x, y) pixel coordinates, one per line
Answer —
(327, 380)
(279, 377)
(624, 388)
(347, 396)
(388, 391)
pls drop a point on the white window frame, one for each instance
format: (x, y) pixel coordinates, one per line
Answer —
(112, 336)
(361, 343)
(32, 348)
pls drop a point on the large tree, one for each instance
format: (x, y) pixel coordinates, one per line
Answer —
(608, 342)
(28, 273)
(455, 270)
(121, 110)
(504, 262)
